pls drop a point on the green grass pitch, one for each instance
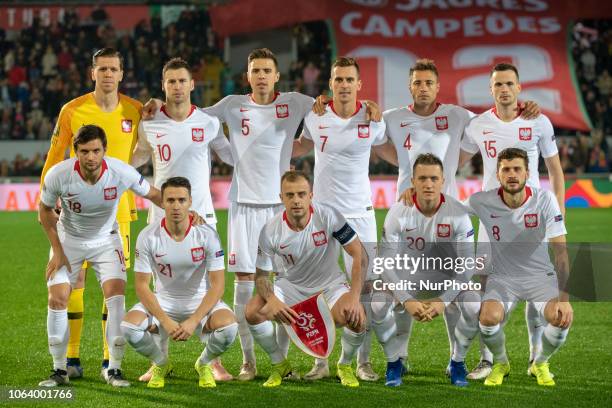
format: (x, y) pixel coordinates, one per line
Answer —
(582, 367)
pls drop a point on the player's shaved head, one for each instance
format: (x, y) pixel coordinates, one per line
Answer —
(87, 133)
(505, 66)
(424, 64)
(263, 53)
(293, 176)
(427, 159)
(512, 153)
(345, 62)
(176, 63)
(176, 182)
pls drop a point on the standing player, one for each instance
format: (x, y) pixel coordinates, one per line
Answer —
(179, 139)
(307, 236)
(119, 116)
(343, 139)
(188, 267)
(428, 126)
(437, 222)
(88, 187)
(500, 128)
(521, 221)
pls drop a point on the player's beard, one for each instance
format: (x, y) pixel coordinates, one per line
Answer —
(515, 190)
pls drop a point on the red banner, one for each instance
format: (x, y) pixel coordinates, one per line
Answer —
(314, 331)
(19, 17)
(464, 37)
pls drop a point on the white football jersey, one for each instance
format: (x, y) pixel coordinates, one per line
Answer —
(179, 268)
(519, 236)
(182, 149)
(489, 134)
(408, 231)
(89, 211)
(306, 258)
(439, 133)
(261, 137)
(342, 158)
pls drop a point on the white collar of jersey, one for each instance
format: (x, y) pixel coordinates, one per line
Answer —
(276, 94)
(358, 105)
(77, 168)
(416, 203)
(494, 112)
(163, 224)
(411, 109)
(163, 109)
(286, 219)
(528, 193)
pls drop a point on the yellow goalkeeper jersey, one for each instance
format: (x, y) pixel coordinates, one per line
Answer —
(120, 126)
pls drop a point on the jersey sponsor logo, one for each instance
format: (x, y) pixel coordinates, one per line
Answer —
(126, 125)
(244, 110)
(444, 230)
(525, 134)
(110, 193)
(319, 238)
(470, 233)
(441, 122)
(363, 131)
(197, 254)
(219, 253)
(531, 220)
(197, 134)
(232, 259)
(282, 111)
(558, 218)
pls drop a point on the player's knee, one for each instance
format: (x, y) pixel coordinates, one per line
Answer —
(252, 314)
(132, 332)
(380, 311)
(490, 317)
(58, 300)
(228, 333)
(221, 318)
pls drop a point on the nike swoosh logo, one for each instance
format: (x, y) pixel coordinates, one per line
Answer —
(487, 132)
(159, 256)
(495, 216)
(284, 246)
(323, 127)
(158, 135)
(411, 229)
(243, 109)
(403, 124)
(70, 195)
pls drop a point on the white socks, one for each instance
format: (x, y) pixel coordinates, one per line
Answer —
(218, 341)
(495, 340)
(243, 291)
(57, 333)
(383, 324)
(114, 337)
(403, 322)
(535, 328)
(282, 338)
(350, 344)
(144, 342)
(264, 335)
(552, 339)
(465, 329)
(451, 317)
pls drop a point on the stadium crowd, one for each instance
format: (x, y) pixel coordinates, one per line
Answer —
(43, 67)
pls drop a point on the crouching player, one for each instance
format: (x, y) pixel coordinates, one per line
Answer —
(89, 187)
(437, 227)
(306, 237)
(522, 222)
(187, 264)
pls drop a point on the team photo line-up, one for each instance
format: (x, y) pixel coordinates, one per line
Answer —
(285, 233)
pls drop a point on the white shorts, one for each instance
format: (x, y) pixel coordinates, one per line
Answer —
(365, 227)
(509, 291)
(245, 223)
(291, 294)
(179, 311)
(105, 257)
